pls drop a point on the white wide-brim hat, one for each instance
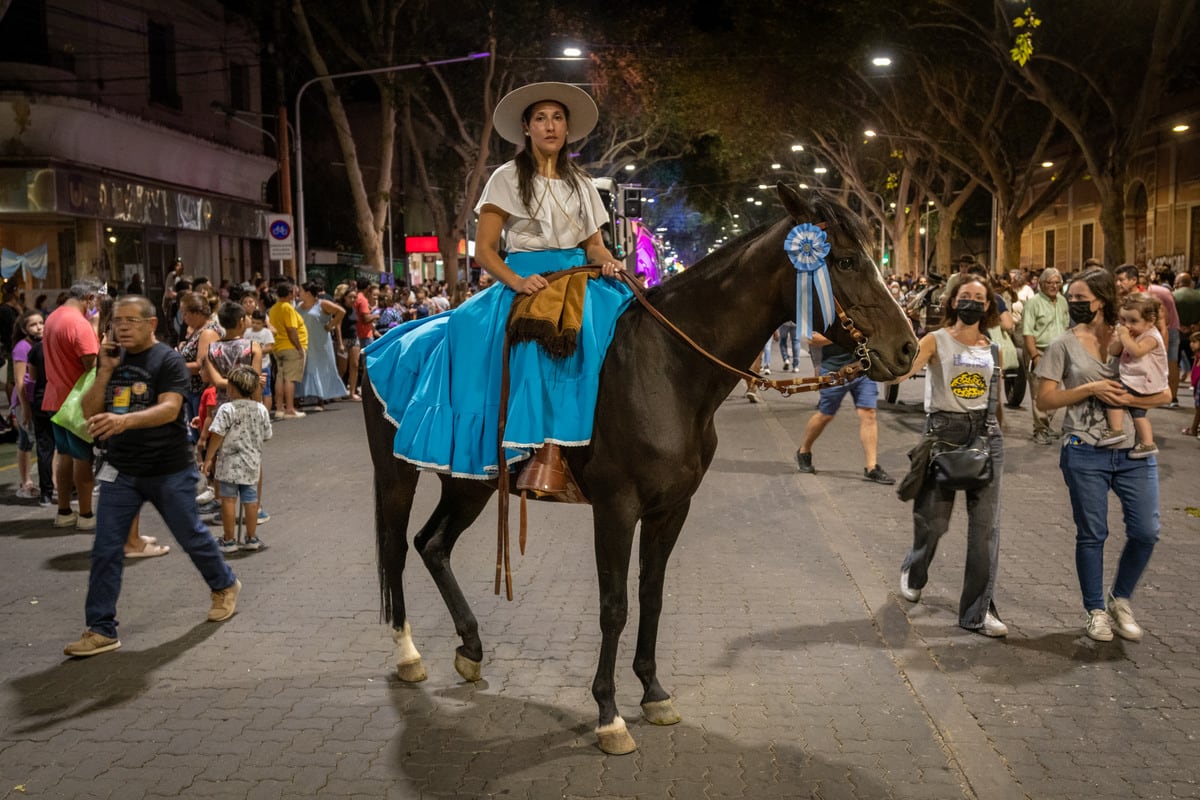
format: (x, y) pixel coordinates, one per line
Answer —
(582, 113)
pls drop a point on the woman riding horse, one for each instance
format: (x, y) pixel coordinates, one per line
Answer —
(439, 377)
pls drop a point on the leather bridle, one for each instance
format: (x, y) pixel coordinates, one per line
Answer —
(787, 386)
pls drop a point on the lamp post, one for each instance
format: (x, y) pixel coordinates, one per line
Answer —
(301, 238)
(283, 150)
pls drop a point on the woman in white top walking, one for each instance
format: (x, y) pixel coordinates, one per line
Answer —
(960, 404)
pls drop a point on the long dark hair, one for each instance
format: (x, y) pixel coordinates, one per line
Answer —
(1100, 282)
(527, 169)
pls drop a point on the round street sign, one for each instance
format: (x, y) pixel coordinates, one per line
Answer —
(281, 231)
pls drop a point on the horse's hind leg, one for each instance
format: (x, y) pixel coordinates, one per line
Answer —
(659, 534)
(395, 485)
(460, 504)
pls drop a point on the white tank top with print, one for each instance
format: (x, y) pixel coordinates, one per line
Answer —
(959, 380)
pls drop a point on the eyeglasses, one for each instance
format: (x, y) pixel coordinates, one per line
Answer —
(129, 320)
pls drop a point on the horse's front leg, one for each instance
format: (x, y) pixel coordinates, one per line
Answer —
(460, 504)
(659, 534)
(614, 544)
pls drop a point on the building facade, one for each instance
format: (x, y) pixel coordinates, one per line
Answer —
(129, 136)
(1162, 208)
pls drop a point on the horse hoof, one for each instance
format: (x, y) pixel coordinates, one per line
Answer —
(614, 738)
(468, 669)
(660, 712)
(408, 660)
(412, 672)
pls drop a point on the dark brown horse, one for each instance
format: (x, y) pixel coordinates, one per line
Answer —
(647, 471)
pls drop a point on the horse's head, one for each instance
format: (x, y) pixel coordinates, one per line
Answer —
(857, 285)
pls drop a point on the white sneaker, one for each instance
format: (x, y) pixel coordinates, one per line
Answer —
(1099, 627)
(205, 497)
(992, 626)
(907, 592)
(1121, 616)
(65, 519)
(766, 370)
(85, 523)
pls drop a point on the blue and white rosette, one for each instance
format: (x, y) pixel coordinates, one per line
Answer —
(807, 247)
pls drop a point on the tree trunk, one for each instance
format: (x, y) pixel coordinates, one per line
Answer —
(1010, 228)
(1112, 222)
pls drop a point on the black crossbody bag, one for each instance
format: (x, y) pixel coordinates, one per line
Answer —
(954, 466)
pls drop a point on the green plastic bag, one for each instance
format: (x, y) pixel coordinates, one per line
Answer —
(70, 413)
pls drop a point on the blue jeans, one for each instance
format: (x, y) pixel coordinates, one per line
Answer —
(174, 497)
(1090, 472)
(789, 342)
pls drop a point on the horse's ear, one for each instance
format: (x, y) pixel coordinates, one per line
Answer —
(796, 207)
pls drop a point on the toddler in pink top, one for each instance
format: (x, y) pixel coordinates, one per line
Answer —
(1143, 368)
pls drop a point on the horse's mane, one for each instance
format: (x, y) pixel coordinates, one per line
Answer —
(712, 263)
(837, 214)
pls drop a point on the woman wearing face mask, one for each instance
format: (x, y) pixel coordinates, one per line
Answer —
(1078, 374)
(961, 403)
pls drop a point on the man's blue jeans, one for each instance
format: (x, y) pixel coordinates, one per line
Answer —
(1090, 472)
(174, 497)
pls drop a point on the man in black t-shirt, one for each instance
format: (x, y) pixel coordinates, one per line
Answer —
(136, 407)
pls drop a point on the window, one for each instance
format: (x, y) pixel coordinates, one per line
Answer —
(1088, 246)
(163, 87)
(23, 32)
(239, 87)
(1049, 262)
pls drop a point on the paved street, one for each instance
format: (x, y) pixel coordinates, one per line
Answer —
(798, 671)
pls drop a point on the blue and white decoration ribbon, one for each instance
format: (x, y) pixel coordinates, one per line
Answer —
(807, 247)
(33, 262)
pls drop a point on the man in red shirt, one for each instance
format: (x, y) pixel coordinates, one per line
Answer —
(69, 346)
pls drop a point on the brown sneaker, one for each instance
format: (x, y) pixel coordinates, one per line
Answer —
(224, 602)
(91, 644)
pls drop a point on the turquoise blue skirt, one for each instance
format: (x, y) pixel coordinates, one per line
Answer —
(438, 378)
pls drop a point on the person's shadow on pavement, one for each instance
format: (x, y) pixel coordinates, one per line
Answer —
(78, 687)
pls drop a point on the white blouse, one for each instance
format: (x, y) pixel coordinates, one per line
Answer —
(559, 218)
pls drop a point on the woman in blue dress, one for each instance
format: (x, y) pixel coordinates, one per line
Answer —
(438, 378)
(321, 380)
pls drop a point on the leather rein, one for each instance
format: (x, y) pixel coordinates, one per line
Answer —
(786, 387)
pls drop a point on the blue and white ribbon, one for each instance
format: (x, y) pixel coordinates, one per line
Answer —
(807, 247)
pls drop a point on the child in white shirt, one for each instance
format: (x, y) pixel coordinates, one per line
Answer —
(1143, 368)
(235, 441)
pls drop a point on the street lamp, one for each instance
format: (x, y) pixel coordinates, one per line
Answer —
(301, 239)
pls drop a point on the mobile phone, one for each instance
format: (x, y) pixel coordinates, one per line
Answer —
(112, 349)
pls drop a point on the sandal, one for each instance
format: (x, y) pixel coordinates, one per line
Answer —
(149, 551)
(1189, 432)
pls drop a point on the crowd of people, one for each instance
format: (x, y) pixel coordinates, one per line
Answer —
(1104, 347)
(126, 402)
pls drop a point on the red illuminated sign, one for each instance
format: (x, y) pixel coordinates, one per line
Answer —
(420, 244)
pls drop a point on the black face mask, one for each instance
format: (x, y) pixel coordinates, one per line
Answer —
(970, 311)
(1080, 312)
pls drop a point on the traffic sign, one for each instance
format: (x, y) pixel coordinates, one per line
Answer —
(281, 241)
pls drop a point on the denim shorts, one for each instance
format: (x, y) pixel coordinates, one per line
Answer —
(864, 391)
(246, 492)
(25, 439)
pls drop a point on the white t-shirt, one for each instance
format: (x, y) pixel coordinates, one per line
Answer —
(245, 424)
(558, 218)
